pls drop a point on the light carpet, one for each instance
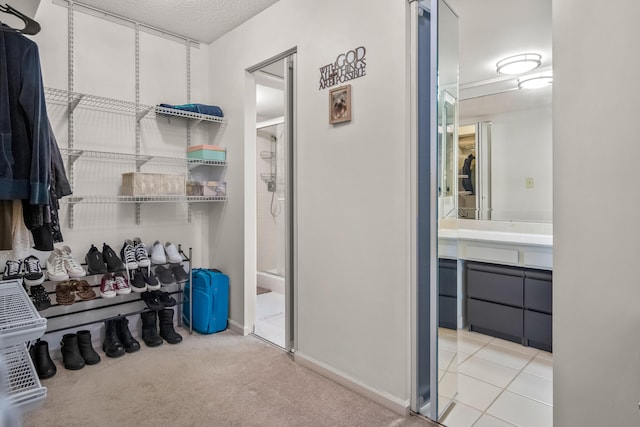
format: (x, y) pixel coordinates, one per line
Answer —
(222, 379)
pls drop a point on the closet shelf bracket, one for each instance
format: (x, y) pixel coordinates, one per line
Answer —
(75, 102)
(142, 160)
(194, 123)
(141, 114)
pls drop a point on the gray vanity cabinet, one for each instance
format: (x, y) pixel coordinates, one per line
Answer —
(448, 293)
(511, 303)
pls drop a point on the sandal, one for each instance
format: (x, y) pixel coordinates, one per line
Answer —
(64, 293)
(84, 290)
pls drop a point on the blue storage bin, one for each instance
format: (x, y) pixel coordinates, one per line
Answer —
(210, 301)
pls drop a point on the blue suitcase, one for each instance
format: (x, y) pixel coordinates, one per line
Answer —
(210, 301)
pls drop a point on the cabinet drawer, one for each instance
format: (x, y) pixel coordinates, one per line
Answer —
(496, 284)
(538, 295)
(495, 317)
(447, 312)
(448, 277)
(538, 329)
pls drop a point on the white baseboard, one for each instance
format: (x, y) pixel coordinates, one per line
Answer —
(382, 398)
(238, 328)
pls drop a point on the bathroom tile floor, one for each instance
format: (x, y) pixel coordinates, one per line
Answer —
(493, 382)
(270, 317)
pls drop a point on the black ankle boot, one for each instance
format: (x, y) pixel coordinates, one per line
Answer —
(124, 335)
(150, 329)
(71, 357)
(166, 326)
(112, 345)
(39, 353)
(86, 348)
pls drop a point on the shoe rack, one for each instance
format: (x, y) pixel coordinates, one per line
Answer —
(81, 313)
(19, 324)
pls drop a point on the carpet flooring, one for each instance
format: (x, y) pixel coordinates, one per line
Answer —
(222, 379)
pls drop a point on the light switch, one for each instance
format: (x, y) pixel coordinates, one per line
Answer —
(528, 183)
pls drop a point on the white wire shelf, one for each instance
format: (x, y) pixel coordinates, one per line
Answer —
(19, 320)
(142, 199)
(139, 158)
(75, 99)
(23, 386)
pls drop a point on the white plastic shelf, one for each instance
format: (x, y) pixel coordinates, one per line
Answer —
(23, 386)
(19, 319)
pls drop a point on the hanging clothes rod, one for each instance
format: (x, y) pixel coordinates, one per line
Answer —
(127, 22)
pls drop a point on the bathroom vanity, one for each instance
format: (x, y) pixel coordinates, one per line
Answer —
(496, 279)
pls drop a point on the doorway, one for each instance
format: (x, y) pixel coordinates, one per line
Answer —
(274, 154)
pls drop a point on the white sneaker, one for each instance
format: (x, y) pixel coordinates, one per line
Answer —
(157, 253)
(141, 253)
(71, 264)
(172, 253)
(55, 266)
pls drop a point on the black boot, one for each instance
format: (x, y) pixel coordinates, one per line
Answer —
(41, 360)
(71, 357)
(150, 329)
(124, 335)
(166, 326)
(112, 345)
(86, 348)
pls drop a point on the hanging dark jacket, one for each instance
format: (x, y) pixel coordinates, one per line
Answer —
(24, 129)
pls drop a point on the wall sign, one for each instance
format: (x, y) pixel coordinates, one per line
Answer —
(347, 66)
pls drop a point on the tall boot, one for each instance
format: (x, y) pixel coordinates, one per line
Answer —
(150, 329)
(71, 357)
(39, 353)
(112, 345)
(87, 351)
(124, 335)
(166, 326)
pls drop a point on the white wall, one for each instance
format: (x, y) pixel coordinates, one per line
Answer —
(521, 148)
(352, 184)
(105, 66)
(596, 309)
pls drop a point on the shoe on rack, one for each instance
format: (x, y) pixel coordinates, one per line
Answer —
(111, 259)
(173, 256)
(137, 283)
(33, 274)
(165, 298)
(165, 319)
(157, 253)
(141, 253)
(88, 353)
(40, 297)
(121, 284)
(39, 353)
(150, 280)
(150, 329)
(12, 270)
(108, 286)
(64, 293)
(112, 345)
(152, 301)
(124, 335)
(71, 357)
(179, 273)
(165, 275)
(56, 270)
(128, 255)
(95, 261)
(83, 290)
(71, 264)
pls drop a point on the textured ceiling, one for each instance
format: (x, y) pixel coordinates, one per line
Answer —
(200, 20)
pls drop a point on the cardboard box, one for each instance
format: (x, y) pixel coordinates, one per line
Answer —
(206, 188)
(153, 184)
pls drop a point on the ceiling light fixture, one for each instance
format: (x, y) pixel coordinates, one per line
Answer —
(535, 81)
(519, 64)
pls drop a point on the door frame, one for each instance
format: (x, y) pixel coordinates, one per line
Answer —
(250, 238)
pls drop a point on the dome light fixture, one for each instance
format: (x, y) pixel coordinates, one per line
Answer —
(535, 81)
(519, 64)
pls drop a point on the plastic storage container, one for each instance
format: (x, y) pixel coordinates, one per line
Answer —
(210, 301)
